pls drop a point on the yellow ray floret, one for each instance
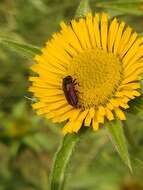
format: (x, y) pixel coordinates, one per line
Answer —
(103, 58)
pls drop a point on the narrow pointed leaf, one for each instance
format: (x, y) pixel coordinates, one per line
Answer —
(120, 1)
(83, 9)
(126, 7)
(23, 48)
(136, 105)
(116, 133)
(61, 161)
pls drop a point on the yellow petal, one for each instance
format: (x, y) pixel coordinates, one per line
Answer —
(42, 111)
(41, 80)
(104, 30)
(133, 50)
(109, 106)
(57, 52)
(115, 102)
(79, 121)
(130, 86)
(78, 31)
(135, 58)
(136, 72)
(89, 117)
(38, 105)
(132, 78)
(125, 106)
(109, 114)
(46, 92)
(68, 128)
(48, 58)
(100, 117)
(97, 31)
(84, 30)
(64, 116)
(127, 93)
(57, 105)
(51, 99)
(95, 125)
(89, 23)
(73, 40)
(112, 34)
(120, 114)
(75, 115)
(118, 36)
(128, 45)
(132, 68)
(125, 39)
(101, 110)
(82, 116)
(62, 43)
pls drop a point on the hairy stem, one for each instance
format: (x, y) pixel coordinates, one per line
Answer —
(61, 161)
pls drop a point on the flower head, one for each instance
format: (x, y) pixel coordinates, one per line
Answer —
(103, 57)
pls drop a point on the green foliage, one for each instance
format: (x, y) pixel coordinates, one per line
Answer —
(62, 160)
(134, 7)
(83, 9)
(116, 133)
(27, 142)
(24, 48)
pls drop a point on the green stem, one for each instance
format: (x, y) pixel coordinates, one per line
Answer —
(61, 161)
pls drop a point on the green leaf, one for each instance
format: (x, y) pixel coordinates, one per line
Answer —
(136, 105)
(120, 1)
(141, 83)
(83, 9)
(61, 161)
(23, 48)
(118, 139)
(126, 7)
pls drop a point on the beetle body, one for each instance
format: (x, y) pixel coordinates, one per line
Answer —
(69, 91)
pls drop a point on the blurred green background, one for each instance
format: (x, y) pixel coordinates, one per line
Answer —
(28, 143)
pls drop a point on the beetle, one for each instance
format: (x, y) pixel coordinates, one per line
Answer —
(69, 90)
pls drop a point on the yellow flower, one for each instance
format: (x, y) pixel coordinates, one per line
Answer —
(104, 57)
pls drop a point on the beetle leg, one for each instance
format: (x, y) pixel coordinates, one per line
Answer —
(74, 80)
(75, 83)
(78, 84)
